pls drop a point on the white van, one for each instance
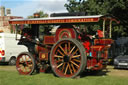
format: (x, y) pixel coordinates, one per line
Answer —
(9, 49)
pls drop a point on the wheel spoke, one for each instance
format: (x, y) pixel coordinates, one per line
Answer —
(60, 52)
(76, 60)
(69, 46)
(20, 66)
(66, 48)
(29, 69)
(72, 50)
(75, 64)
(70, 68)
(31, 60)
(75, 56)
(73, 67)
(63, 66)
(25, 69)
(21, 62)
(60, 60)
(75, 52)
(29, 65)
(62, 49)
(59, 65)
(66, 70)
(27, 58)
(58, 56)
(22, 59)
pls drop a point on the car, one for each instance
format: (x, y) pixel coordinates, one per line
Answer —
(121, 61)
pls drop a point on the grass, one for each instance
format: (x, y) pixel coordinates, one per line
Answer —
(13, 78)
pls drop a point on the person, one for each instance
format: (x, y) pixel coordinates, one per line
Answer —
(86, 39)
(100, 33)
(87, 45)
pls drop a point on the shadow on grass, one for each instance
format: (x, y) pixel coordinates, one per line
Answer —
(48, 71)
(94, 73)
(82, 75)
(121, 68)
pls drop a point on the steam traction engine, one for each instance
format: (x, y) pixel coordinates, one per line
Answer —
(68, 51)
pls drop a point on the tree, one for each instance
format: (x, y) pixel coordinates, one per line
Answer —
(76, 6)
(117, 8)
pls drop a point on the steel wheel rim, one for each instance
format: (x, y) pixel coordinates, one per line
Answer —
(66, 59)
(24, 64)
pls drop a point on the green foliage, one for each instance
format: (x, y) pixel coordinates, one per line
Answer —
(29, 17)
(42, 14)
(75, 6)
(117, 8)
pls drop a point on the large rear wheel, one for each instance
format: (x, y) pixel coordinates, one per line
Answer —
(25, 63)
(67, 58)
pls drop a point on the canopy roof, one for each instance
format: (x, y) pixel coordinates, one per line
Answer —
(62, 20)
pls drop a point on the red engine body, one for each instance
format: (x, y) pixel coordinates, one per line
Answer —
(96, 53)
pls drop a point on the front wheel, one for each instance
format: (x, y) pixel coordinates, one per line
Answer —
(12, 61)
(25, 63)
(67, 58)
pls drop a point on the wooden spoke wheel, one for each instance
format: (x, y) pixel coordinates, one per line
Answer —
(25, 63)
(67, 58)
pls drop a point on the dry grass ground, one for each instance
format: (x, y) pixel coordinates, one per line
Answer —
(117, 72)
(8, 68)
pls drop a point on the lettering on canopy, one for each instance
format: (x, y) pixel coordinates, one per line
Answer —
(55, 21)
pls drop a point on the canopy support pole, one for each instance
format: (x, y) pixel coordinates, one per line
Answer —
(110, 32)
(104, 28)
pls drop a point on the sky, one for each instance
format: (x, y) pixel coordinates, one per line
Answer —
(28, 7)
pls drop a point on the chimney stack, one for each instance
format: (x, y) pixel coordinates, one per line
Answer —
(8, 12)
(36, 15)
(2, 11)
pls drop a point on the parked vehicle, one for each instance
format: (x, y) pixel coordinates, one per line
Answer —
(119, 46)
(122, 60)
(9, 49)
(69, 51)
